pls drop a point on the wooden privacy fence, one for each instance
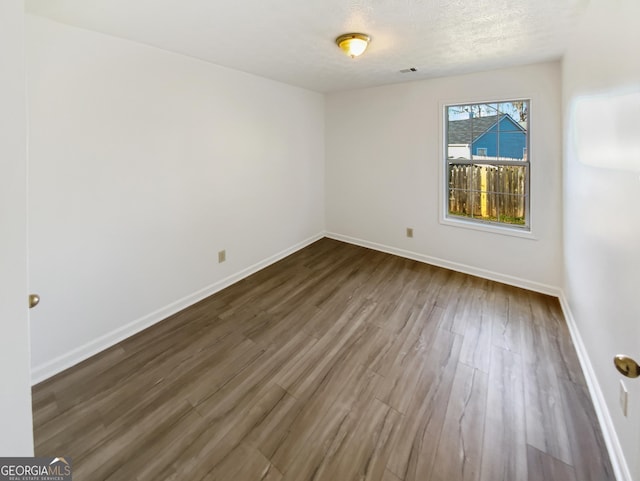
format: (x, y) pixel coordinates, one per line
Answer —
(490, 192)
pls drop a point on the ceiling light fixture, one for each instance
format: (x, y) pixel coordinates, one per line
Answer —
(353, 44)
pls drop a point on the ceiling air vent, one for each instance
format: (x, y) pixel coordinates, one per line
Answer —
(409, 70)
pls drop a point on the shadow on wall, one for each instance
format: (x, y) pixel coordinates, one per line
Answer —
(606, 129)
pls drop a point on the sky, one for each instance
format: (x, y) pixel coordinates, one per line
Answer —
(459, 112)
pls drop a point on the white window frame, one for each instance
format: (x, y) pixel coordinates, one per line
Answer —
(513, 230)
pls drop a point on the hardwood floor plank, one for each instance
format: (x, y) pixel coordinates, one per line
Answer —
(324, 353)
(476, 350)
(336, 363)
(219, 437)
(417, 438)
(362, 446)
(402, 380)
(268, 435)
(562, 351)
(389, 476)
(565, 360)
(279, 329)
(545, 418)
(93, 376)
(83, 371)
(390, 276)
(168, 444)
(386, 358)
(124, 443)
(340, 393)
(303, 461)
(244, 463)
(453, 297)
(125, 401)
(505, 334)
(459, 452)
(542, 467)
(468, 309)
(504, 454)
(234, 394)
(197, 383)
(590, 459)
(80, 437)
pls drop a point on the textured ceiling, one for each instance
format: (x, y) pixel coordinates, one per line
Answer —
(293, 40)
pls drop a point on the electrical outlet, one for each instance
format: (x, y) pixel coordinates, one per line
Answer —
(409, 232)
(624, 398)
(222, 256)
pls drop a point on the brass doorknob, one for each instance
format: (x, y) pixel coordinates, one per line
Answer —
(627, 366)
(34, 299)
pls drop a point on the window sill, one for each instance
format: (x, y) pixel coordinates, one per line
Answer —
(522, 232)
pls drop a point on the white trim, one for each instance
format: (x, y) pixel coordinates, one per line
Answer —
(618, 461)
(455, 266)
(494, 228)
(59, 364)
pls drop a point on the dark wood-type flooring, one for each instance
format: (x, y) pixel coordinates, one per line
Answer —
(337, 363)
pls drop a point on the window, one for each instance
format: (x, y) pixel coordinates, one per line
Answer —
(487, 163)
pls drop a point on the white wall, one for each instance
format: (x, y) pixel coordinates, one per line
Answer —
(16, 437)
(601, 90)
(144, 164)
(383, 173)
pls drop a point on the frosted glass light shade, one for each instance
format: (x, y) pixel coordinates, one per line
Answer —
(353, 44)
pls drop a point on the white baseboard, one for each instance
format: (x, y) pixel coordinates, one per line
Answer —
(454, 266)
(618, 460)
(59, 364)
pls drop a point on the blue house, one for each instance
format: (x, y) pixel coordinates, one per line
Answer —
(494, 136)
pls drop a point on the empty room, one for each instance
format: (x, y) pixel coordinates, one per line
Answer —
(328, 240)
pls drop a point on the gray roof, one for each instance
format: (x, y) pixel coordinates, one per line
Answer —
(461, 131)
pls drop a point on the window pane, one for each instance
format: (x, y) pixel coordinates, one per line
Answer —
(510, 126)
(488, 206)
(459, 203)
(482, 179)
(511, 209)
(483, 175)
(458, 152)
(512, 145)
(459, 133)
(512, 179)
(476, 208)
(460, 176)
(517, 109)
